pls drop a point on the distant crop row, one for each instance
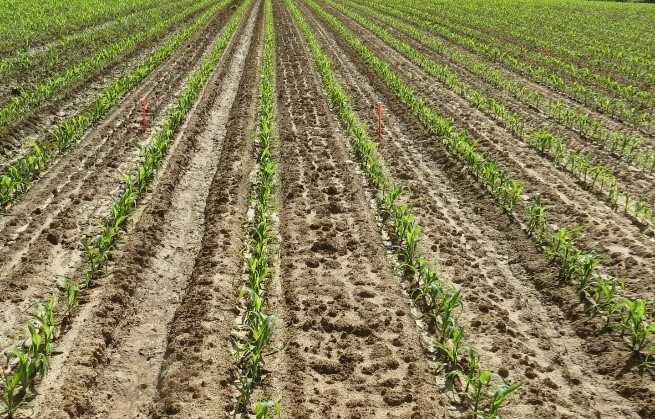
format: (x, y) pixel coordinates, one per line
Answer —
(577, 266)
(16, 178)
(28, 100)
(48, 59)
(32, 23)
(513, 57)
(610, 40)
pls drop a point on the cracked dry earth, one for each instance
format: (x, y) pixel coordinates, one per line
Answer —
(154, 335)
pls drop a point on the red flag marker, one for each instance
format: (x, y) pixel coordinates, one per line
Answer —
(144, 113)
(378, 111)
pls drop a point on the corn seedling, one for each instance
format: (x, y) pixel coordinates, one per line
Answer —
(265, 409)
(435, 302)
(499, 398)
(9, 396)
(635, 323)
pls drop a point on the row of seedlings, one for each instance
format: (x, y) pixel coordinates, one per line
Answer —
(256, 325)
(576, 265)
(77, 45)
(605, 67)
(484, 391)
(507, 55)
(626, 146)
(596, 176)
(15, 178)
(30, 99)
(31, 361)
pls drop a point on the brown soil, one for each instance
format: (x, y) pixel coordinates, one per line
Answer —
(40, 235)
(17, 138)
(349, 345)
(525, 324)
(154, 336)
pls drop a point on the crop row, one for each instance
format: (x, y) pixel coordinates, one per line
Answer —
(607, 77)
(26, 102)
(23, 67)
(513, 58)
(15, 179)
(548, 143)
(437, 301)
(588, 41)
(31, 24)
(629, 147)
(576, 265)
(257, 323)
(32, 360)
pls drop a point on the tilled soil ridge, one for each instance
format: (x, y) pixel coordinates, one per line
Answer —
(350, 345)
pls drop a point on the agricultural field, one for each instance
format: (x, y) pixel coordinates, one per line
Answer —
(327, 209)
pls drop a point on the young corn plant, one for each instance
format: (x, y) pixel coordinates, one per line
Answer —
(259, 325)
(634, 321)
(10, 398)
(437, 303)
(71, 293)
(265, 409)
(499, 398)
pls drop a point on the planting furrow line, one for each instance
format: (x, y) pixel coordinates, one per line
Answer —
(577, 266)
(594, 175)
(497, 265)
(347, 346)
(40, 234)
(612, 107)
(437, 302)
(33, 359)
(27, 101)
(631, 148)
(16, 178)
(620, 243)
(256, 325)
(20, 69)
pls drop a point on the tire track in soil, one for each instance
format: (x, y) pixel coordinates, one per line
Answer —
(138, 350)
(524, 325)
(17, 138)
(124, 322)
(627, 247)
(198, 369)
(351, 346)
(39, 235)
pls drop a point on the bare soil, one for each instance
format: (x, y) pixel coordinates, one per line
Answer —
(155, 335)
